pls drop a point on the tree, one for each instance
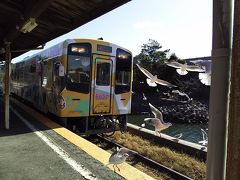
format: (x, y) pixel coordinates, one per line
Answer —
(151, 57)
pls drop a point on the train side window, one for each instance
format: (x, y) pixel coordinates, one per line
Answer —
(33, 68)
(103, 74)
(123, 78)
(58, 81)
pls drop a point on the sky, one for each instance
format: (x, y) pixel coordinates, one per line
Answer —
(183, 26)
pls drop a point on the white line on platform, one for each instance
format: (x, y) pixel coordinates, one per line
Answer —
(63, 154)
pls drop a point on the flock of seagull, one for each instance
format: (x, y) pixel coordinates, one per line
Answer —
(201, 66)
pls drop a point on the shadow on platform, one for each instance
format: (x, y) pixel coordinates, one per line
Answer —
(16, 125)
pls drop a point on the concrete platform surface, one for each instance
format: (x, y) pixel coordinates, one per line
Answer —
(35, 147)
(33, 151)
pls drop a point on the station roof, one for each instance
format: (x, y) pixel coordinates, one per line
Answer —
(53, 17)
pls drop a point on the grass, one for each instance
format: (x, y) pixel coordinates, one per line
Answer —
(180, 162)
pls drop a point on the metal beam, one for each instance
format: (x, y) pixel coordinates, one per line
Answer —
(32, 11)
(219, 91)
(35, 9)
(10, 8)
(102, 8)
(233, 153)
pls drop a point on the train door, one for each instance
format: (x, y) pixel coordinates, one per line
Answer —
(51, 90)
(102, 86)
(47, 88)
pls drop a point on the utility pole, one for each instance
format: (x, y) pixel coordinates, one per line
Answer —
(219, 92)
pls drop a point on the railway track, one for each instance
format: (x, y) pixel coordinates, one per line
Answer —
(140, 158)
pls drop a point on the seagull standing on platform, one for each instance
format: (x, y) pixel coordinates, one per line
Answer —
(153, 80)
(157, 121)
(118, 157)
(183, 69)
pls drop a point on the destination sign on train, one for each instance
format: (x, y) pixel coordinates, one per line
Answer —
(103, 48)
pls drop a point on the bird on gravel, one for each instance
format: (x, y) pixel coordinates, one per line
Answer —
(157, 121)
(118, 157)
(153, 80)
(183, 69)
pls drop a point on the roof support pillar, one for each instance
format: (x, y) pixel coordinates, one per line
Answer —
(7, 83)
(219, 92)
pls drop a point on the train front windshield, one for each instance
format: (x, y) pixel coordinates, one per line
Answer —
(78, 69)
(123, 71)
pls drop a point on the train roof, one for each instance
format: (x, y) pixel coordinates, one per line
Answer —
(69, 41)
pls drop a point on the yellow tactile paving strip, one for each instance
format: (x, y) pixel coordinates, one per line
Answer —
(127, 171)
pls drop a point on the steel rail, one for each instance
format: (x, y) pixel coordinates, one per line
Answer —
(174, 174)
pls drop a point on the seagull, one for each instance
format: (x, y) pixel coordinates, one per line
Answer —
(118, 157)
(205, 78)
(181, 94)
(153, 80)
(144, 97)
(183, 69)
(204, 63)
(204, 142)
(157, 121)
(178, 136)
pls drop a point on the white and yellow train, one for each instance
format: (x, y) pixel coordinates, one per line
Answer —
(86, 83)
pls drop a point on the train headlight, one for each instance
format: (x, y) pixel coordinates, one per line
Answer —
(122, 56)
(115, 119)
(78, 49)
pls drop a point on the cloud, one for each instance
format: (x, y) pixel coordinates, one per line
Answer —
(147, 25)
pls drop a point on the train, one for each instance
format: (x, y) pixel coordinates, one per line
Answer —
(85, 83)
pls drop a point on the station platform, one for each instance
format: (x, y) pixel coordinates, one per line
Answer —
(36, 148)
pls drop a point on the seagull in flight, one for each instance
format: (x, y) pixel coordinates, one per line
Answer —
(178, 136)
(204, 142)
(183, 69)
(157, 121)
(205, 78)
(118, 157)
(181, 94)
(153, 80)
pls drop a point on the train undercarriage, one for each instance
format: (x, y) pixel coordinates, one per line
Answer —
(95, 124)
